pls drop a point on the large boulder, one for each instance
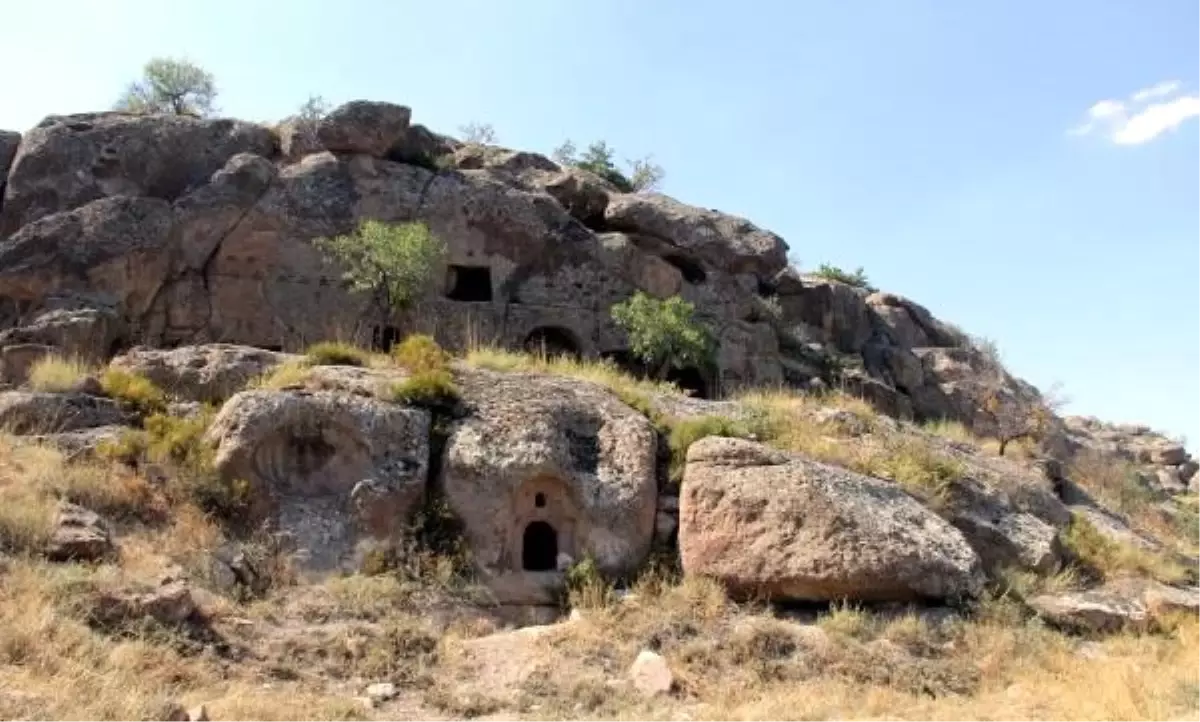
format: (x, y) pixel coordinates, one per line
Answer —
(834, 311)
(547, 466)
(781, 526)
(724, 241)
(910, 324)
(207, 373)
(116, 248)
(68, 161)
(363, 126)
(38, 412)
(339, 473)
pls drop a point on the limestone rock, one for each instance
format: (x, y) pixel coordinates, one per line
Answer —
(68, 161)
(114, 246)
(205, 373)
(39, 412)
(332, 469)
(723, 240)
(650, 674)
(73, 326)
(1125, 603)
(171, 603)
(382, 692)
(363, 126)
(79, 535)
(546, 465)
(773, 524)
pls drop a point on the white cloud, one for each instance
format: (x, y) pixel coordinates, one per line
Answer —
(1145, 115)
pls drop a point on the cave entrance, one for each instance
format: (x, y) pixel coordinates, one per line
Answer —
(469, 283)
(690, 379)
(552, 341)
(690, 269)
(539, 547)
(383, 338)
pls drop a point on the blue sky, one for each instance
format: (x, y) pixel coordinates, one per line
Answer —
(1027, 170)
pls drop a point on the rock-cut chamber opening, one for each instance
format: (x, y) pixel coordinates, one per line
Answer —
(539, 547)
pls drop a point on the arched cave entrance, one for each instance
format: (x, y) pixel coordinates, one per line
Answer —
(539, 547)
(690, 269)
(552, 341)
(690, 379)
(469, 283)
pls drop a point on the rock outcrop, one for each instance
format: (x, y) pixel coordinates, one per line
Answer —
(1133, 604)
(38, 412)
(777, 525)
(339, 473)
(543, 467)
(209, 373)
(199, 230)
(78, 534)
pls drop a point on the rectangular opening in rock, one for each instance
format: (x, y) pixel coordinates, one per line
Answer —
(469, 283)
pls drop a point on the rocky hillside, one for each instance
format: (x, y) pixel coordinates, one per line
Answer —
(205, 499)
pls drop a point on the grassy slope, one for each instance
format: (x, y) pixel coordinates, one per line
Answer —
(306, 651)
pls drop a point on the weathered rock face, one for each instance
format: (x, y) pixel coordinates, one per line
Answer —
(722, 240)
(68, 161)
(208, 373)
(546, 466)
(768, 523)
(339, 473)
(71, 328)
(36, 412)
(9, 141)
(194, 231)
(363, 127)
(79, 535)
(1122, 604)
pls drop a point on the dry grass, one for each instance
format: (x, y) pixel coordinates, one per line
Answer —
(1108, 557)
(290, 374)
(633, 391)
(951, 431)
(133, 391)
(58, 374)
(336, 353)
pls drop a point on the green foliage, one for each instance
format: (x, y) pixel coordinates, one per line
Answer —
(419, 353)
(664, 333)
(426, 388)
(180, 440)
(644, 175)
(134, 391)
(482, 133)
(393, 262)
(586, 586)
(335, 353)
(858, 278)
(170, 85)
(686, 432)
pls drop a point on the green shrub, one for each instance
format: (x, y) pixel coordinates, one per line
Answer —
(858, 278)
(426, 388)
(686, 432)
(394, 263)
(586, 587)
(133, 391)
(180, 441)
(419, 353)
(664, 333)
(336, 353)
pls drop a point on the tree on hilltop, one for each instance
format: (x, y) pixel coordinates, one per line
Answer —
(170, 85)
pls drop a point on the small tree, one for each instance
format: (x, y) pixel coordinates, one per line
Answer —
(478, 133)
(857, 278)
(393, 263)
(170, 86)
(1013, 417)
(645, 175)
(664, 334)
(598, 158)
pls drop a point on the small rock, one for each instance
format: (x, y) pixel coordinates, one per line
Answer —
(79, 534)
(198, 714)
(1168, 479)
(88, 385)
(382, 691)
(650, 674)
(171, 603)
(173, 712)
